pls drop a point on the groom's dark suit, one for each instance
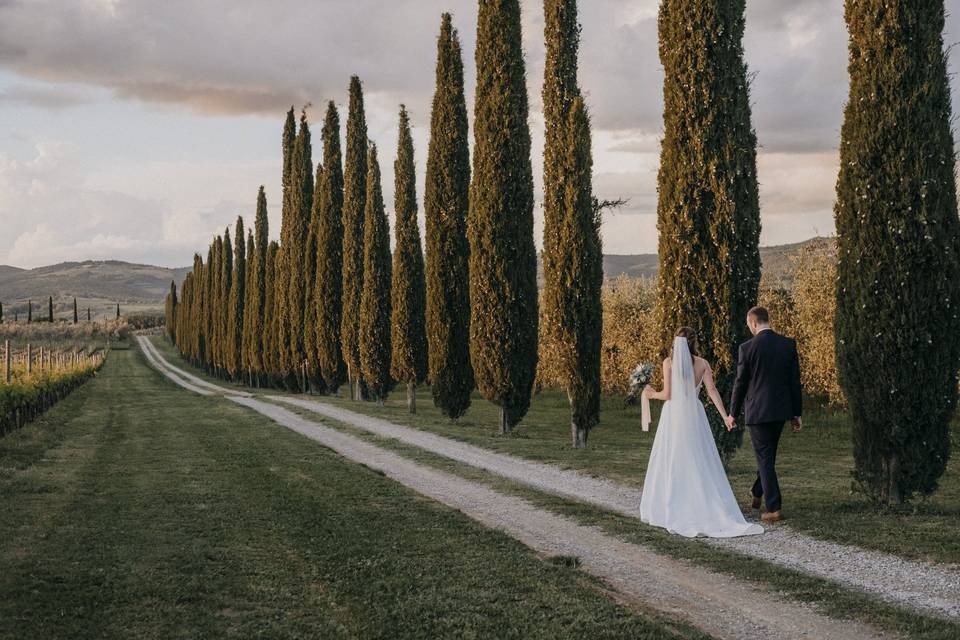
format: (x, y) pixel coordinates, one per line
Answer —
(768, 389)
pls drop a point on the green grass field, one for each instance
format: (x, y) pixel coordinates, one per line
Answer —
(814, 466)
(137, 509)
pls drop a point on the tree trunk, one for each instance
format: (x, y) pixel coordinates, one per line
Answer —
(412, 397)
(579, 435)
(505, 427)
(893, 490)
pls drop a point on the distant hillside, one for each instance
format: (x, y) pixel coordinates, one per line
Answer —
(777, 262)
(99, 285)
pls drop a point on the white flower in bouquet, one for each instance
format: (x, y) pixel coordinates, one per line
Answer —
(640, 377)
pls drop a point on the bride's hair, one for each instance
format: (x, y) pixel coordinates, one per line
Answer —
(691, 336)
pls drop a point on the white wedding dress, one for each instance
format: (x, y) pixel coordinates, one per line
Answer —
(686, 490)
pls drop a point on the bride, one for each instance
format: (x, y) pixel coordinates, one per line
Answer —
(686, 490)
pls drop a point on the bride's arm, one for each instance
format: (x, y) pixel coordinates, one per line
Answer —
(665, 394)
(713, 393)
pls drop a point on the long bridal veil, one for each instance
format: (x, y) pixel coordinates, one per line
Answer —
(686, 489)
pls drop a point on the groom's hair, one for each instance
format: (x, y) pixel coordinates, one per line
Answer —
(760, 314)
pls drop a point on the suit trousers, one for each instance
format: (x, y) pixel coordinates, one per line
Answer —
(766, 438)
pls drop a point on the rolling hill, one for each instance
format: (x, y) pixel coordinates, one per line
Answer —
(100, 285)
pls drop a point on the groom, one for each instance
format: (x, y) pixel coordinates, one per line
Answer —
(768, 387)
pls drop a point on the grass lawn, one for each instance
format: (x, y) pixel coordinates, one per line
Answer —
(136, 509)
(814, 466)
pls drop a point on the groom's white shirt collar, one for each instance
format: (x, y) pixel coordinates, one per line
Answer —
(759, 331)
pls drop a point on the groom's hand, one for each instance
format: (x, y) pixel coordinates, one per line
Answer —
(731, 423)
(797, 423)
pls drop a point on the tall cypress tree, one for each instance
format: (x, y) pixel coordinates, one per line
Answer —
(354, 203)
(294, 247)
(238, 284)
(259, 320)
(503, 260)
(310, 307)
(197, 347)
(249, 297)
(708, 210)
(328, 283)
(408, 289)
(572, 249)
(170, 316)
(29, 311)
(88, 314)
(899, 249)
(76, 318)
(375, 298)
(208, 303)
(445, 204)
(270, 338)
(1, 312)
(225, 283)
(281, 318)
(50, 309)
(118, 311)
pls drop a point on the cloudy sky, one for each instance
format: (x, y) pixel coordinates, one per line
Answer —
(135, 129)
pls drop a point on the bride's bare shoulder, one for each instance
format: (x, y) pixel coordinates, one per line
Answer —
(702, 363)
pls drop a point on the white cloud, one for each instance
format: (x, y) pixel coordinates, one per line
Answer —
(226, 58)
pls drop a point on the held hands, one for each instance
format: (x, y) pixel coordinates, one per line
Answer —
(797, 423)
(731, 423)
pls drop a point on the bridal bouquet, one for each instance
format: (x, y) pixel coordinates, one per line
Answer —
(640, 377)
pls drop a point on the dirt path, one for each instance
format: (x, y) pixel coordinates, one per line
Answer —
(720, 605)
(934, 589)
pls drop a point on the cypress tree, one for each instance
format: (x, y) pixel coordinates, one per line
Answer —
(50, 309)
(408, 290)
(328, 282)
(223, 301)
(708, 211)
(1, 312)
(248, 308)
(217, 304)
(445, 204)
(238, 281)
(118, 311)
(281, 318)
(29, 311)
(88, 314)
(170, 315)
(270, 338)
(294, 249)
(899, 249)
(259, 321)
(572, 250)
(309, 307)
(207, 305)
(75, 318)
(503, 260)
(354, 204)
(375, 298)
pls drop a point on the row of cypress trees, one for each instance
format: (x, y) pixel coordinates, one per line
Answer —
(477, 309)
(76, 316)
(330, 305)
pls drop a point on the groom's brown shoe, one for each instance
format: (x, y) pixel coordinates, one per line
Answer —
(755, 502)
(772, 516)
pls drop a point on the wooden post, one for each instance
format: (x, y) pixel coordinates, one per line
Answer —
(40, 359)
(6, 375)
(29, 358)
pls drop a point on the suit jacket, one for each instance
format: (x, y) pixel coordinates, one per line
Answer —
(767, 385)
